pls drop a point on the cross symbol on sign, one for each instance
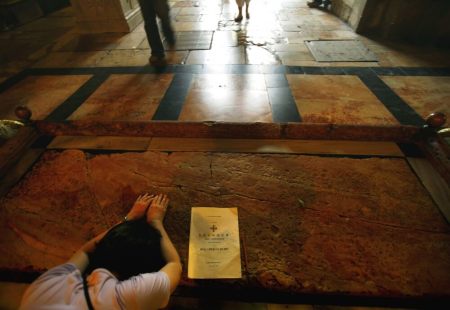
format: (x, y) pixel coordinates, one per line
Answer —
(213, 228)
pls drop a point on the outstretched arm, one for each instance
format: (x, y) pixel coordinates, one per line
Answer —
(155, 217)
(81, 260)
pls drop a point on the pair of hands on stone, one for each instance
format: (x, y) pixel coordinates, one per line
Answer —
(153, 207)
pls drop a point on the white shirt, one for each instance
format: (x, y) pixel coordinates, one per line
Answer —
(62, 288)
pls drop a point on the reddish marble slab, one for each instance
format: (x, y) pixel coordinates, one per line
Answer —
(337, 99)
(41, 94)
(131, 97)
(309, 224)
(425, 94)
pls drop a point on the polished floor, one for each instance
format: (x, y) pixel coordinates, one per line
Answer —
(259, 70)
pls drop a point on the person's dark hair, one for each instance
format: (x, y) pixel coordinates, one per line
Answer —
(129, 249)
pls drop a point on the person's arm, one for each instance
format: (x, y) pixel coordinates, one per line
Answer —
(155, 217)
(81, 259)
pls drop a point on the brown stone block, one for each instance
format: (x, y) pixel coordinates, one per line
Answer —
(308, 224)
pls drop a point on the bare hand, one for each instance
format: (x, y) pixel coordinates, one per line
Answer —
(157, 209)
(140, 207)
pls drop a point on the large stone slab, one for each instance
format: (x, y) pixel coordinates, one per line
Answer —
(308, 224)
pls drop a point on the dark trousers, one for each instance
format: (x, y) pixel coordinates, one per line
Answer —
(150, 10)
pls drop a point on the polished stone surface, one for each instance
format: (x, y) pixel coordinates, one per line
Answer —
(309, 224)
(275, 34)
(426, 94)
(337, 99)
(367, 227)
(42, 94)
(133, 97)
(227, 97)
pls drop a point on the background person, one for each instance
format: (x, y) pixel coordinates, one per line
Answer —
(319, 3)
(150, 10)
(240, 4)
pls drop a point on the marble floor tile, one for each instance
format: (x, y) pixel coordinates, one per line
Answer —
(71, 59)
(188, 18)
(49, 23)
(209, 25)
(226, 105)
(229, 82)
(102, 42)
(257, 55)
(425, 94)
(295, 58)
(92, 42)
(41, 94)
(224, 39)
(291, 47)
(132, 97)
(124, 58)
(337, 99)
(223, 56)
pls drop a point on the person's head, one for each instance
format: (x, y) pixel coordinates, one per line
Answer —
(129, 249)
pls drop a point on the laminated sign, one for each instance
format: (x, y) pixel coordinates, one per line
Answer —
(214, 251)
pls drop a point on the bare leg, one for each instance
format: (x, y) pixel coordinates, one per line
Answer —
(240, 4)
(247, 14)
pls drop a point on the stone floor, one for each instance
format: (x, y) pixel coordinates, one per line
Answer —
(259, 70)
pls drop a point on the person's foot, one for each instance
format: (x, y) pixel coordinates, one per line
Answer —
(314, 3)
(171, 43)
(171, 47)
(238, 19)
(157, 61)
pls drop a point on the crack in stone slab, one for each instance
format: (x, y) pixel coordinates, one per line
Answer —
(377, 223)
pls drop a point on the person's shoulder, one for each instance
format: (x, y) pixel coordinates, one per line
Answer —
(147, 283)
(148, 289)
(100, 275)
(158, 278)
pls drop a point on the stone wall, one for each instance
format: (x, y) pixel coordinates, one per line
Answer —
(349, 10)
(107, 15)
(418, 21)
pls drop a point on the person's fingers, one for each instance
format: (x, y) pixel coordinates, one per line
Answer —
(165, 201)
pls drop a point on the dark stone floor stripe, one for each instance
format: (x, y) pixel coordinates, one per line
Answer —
(388, 71)
(72, 103)
(275, 80)
(295, 70)
(284, 108)
(333, 71)
(10, 82)
(313, 70)
(171, 104)
(425, 71)
(399, 108)
(42, 142)
(243, 69)
(272, 69)
(411, 150)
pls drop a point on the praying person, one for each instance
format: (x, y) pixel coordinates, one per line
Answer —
(150, 10)
(133, 265)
